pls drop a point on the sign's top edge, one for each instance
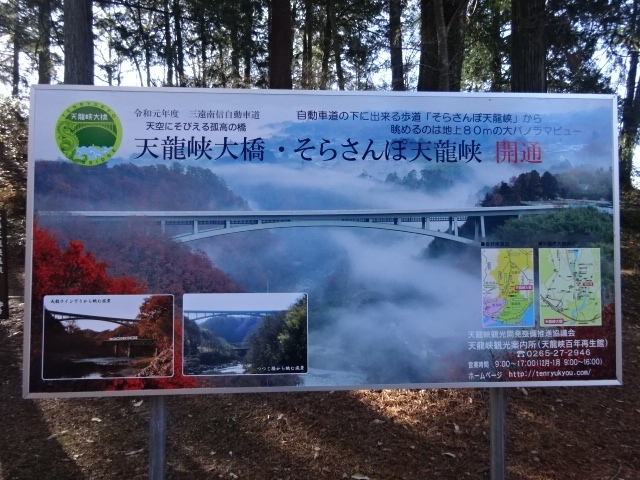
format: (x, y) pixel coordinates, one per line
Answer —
(194, 90)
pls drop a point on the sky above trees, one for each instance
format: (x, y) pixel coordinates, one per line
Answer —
(334, 43)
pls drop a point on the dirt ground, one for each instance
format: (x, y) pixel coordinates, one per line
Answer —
(551, 433)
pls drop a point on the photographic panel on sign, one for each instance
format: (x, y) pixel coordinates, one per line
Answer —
(245, 334)
(98, 337)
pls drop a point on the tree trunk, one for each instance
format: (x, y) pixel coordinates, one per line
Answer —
(204, 44)
(235, 63)
(456, 30)
(495, 48)
(630, 112)
(441, 44)
(136, 63)
(168, 48)
(395, 45)
(45, 65)
(337, 47)
(78, 42)
(428, 76)
(630, 124)
(147, 64)
(17, 47)
(527, 46)
(136, 13)
(247, 41)
(177, 25)
(235, 39)
(307, 45)
(233, 25)
(326, 53)
(280, 45)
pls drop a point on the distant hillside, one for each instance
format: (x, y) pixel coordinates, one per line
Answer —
(136, 249)
(233, 329)
(163, 265)
(67, 186)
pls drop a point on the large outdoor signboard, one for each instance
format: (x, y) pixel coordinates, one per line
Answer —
(197, 241)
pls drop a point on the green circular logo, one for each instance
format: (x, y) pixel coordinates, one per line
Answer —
(88, 133)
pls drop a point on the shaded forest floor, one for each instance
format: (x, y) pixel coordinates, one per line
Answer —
(552, 433)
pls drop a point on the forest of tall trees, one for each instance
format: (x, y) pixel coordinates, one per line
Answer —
(586, 46)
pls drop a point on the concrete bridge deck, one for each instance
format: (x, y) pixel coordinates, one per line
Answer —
(206, 224)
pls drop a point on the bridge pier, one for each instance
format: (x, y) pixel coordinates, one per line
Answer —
(453, 225)
(116, 349)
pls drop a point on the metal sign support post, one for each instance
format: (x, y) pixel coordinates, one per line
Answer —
(157, 436)
(497, 420)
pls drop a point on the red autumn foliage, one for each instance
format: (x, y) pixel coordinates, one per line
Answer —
(72, 271)
(155, 320)
(117, 384)
(177, 380)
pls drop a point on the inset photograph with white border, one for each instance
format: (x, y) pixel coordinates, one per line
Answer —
(107, 336)
(245, 333)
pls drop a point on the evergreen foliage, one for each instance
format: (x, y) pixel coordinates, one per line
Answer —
(584, 227)
(580, 226)
(13, 176)
(280, 341)
(531, 187)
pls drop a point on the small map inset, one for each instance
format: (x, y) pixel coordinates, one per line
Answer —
(570, 286)
(507, 287)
